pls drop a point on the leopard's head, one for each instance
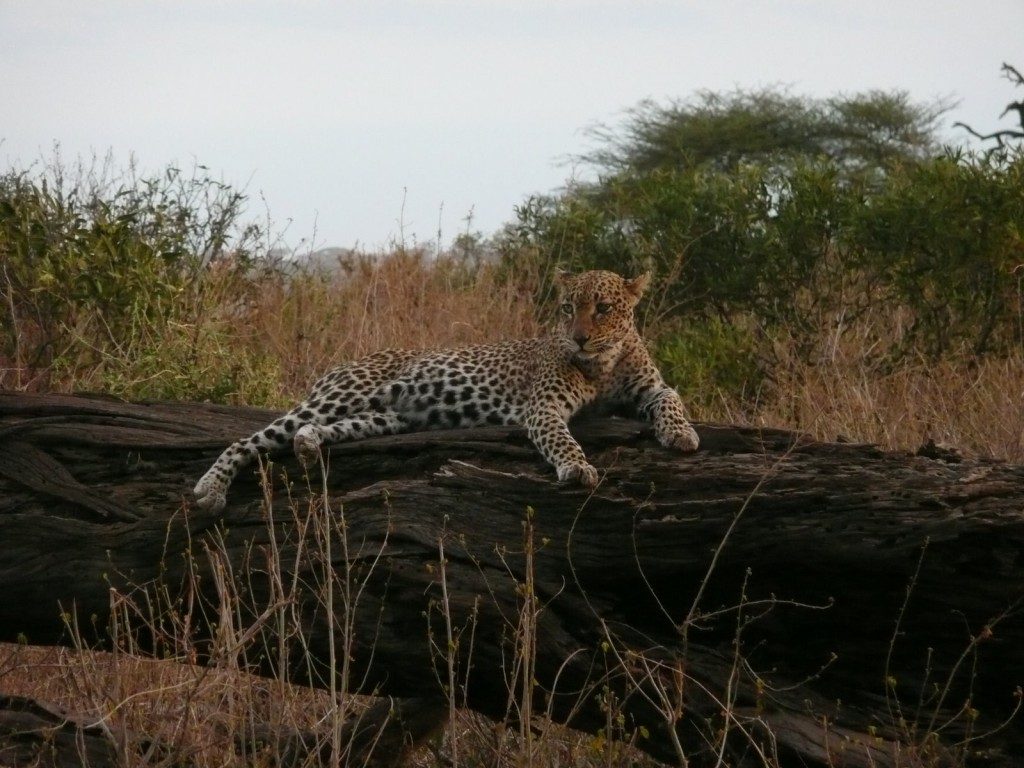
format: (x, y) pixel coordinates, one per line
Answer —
(596, 311)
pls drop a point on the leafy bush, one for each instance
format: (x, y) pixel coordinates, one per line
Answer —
(945, 237)
(710, 362)
(94, 262)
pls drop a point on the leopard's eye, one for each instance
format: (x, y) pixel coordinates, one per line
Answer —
(567, 308)
(602, 308)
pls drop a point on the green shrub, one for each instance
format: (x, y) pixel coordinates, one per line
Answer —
(91, 262)
(710, 362)
(945, 237)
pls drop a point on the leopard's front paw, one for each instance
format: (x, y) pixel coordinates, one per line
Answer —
(211, 492)
(681, 438)
(307, 445)
(579, 471)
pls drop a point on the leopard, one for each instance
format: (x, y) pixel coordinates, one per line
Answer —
(593, 353)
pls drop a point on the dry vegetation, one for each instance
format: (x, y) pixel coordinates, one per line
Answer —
(261, 336)
(198, 713)
(852, 395)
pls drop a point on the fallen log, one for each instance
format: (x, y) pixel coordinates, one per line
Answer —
(768, 598)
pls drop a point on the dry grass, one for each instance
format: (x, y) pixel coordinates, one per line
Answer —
(405, 300)
(977, 408)
(854, 393)
(196, 712)
(171, 712)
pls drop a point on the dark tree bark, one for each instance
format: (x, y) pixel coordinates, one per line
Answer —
(831, 604)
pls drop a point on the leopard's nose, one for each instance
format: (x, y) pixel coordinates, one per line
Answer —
(581, 339)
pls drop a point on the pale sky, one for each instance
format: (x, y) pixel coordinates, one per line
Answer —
(333, 113)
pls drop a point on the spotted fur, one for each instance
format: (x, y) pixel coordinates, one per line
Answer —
(595, 352)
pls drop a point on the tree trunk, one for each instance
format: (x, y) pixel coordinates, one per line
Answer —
(766, 598)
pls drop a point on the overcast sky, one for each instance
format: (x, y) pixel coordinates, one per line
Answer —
(335, 113)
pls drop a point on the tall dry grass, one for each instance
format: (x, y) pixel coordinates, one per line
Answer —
(196, 714)
(855, 389)
(974, 407)
(170, 711)
(406, 300)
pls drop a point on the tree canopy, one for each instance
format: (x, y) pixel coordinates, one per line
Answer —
(723, 131)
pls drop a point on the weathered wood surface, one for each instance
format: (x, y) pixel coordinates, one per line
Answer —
(822, 541)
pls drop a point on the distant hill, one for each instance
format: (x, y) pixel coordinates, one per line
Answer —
(328, 259)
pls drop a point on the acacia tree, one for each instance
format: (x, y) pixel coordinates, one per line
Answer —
(726, 131)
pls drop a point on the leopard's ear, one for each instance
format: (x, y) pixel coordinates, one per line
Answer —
(562, 276)
(638, 284)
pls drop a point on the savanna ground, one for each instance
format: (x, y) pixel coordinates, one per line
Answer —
(882, 304)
